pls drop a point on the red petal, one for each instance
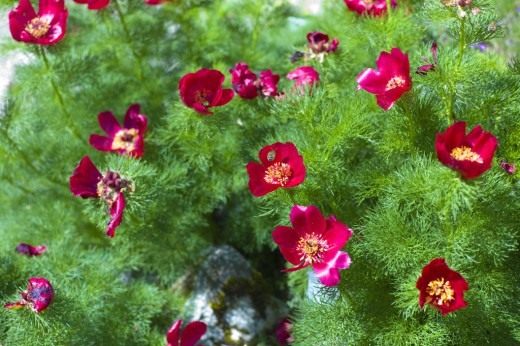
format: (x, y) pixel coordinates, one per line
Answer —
(101, 143)
(287, 240)
(192, 333)
(337, 234)
(83, 181)
(135, 120)
(109, 124)
(372, 81)
(225, 97)
(116, 215)
(257, 184)
(307, 220)
(173, 335)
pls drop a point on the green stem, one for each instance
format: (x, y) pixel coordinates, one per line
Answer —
(389, 8)
(129, 40)
(462, 39)
(71, 126)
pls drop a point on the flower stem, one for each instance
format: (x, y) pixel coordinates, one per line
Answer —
(71, 126)
(389, 8)
(129, 40)
(462, 39)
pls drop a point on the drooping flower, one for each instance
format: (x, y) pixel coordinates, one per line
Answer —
(424, 69)
(87, 182)
(441, 287)
(283, 332)
(127, 139)
(281, 166)
(508, 167)
(203, 89)
(320, 45)
(94, 4)
(304, 76)
(30, 250)
(47, 27)
(314, 241)
(369, 7)
(37, 296)
(471, 155)
(189, 336)
(390, 81)
(244, 81)
(269, 83)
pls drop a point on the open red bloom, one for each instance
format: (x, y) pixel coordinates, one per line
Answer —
(390, 81)
(203, 89)
(280, 166)
(369, 7)
(314, 241)
(47, 27)
(304, 75)
(30, 250)
(94, 4)
(37, 296)
(320, 43)
(123, 140)
(244, 81)
(191, 334)
(87, 182)
(471, 155)
(154, 2)
(269, 83)
(441, 287)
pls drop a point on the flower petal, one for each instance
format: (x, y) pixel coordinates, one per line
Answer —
(116, 215)
(192, 333)
(83, 181)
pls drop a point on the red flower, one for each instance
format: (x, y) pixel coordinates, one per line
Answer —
(154, 2)
(37, 296)
(203, 89)
(509, 168)
(390, 81)
(424, 69)
(269, 83)
(470, 154)
(369, 7)
(123, 140)
(320, 43)
(283, 332)
(29, 250)
(280, 166)
(244, 81)
(304, 75)
(441, 287)
(87, 182)
(94, 4)
(314, 241)
(45, 28)
(191, 334)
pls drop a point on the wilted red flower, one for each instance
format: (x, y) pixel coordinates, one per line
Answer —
(123, 140)
(191, 334)
(304, 75)
(280, 166)
(283, 332)
(203, 89)
(370, 7)
(94, 4)
(47, 27)
(30, 250)
(87, 182)
(269, 83)
(441, 287)
(509, 168)
(390, 81)
(424, 69)
(320, 43)
(314, 241)
(471, 155)
(37, 296)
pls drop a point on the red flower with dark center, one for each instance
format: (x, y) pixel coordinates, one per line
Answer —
(281, 166)
(320, 43)
(283, 332)
(94, 4)
(390, 81)
(304, 76)
(191, 334)
(203, 89)
(269, 83)
(37, 296)
(314, 241)
(441, 287)
(47, 27)
(369, 7)
(471, 155)
(87, 182)
(30, 250)
(123, 140)
(244, 81)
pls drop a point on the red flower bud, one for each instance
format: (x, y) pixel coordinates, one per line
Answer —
(37, 296)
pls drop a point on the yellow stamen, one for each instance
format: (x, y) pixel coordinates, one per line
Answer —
(395, 82)
(311, 248)
(38, 27)
(465, 154)
(440, 292)
(278, 173)
(125, 139)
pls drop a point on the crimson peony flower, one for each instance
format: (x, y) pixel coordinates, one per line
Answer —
(30, 250)
(471, 155)
(123, 140)
(390, 81)
(37, 296)
(304, 75)
(424, 69)
(369, 7)
(269, 83)
(87, 182)
(283, 332)
(320, 43)
(94, 4)
(154, 2)
(47, 27)
(441, 287)
(314, 241)
(244, 81)
(191, 334)
(203, 89)
(280, 166)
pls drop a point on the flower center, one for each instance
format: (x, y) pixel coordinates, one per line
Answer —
(465, 154)
(125, 139)
(111, 185)
(395, 82)
(311, 248)
(38, 27)
(201, 96)
(440, 292)
(278, 174)
(368, 2)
